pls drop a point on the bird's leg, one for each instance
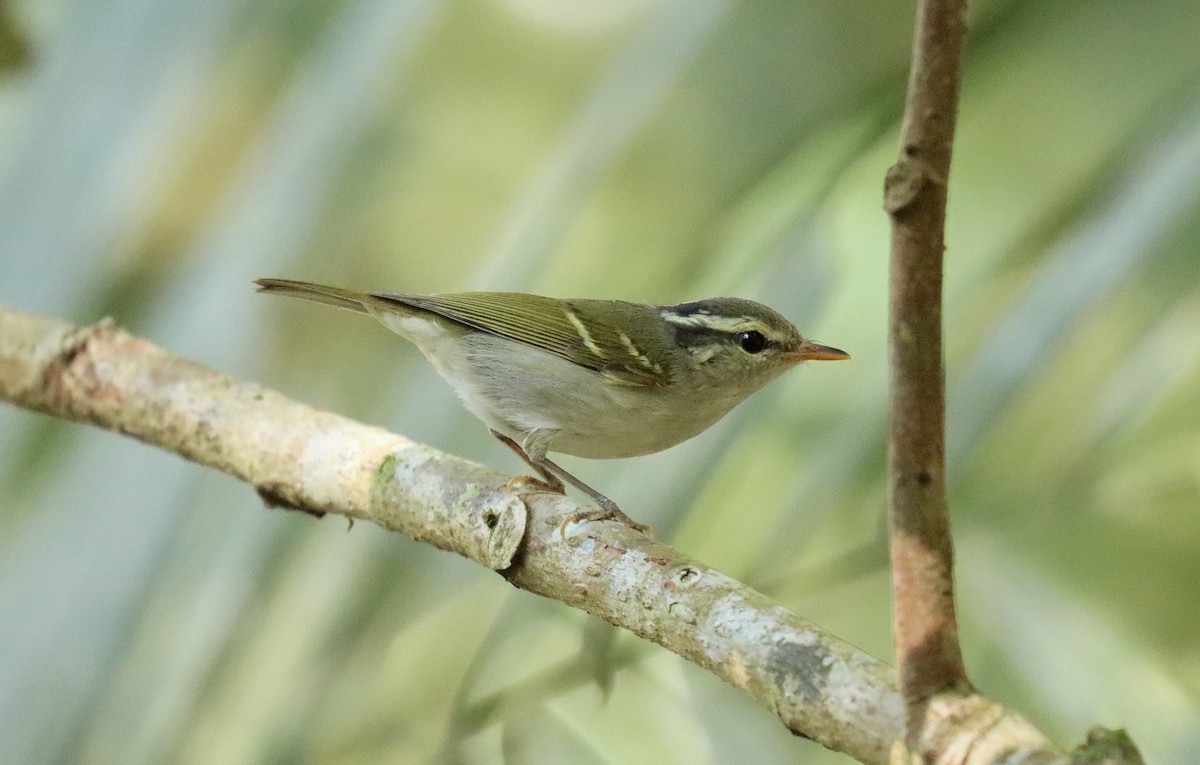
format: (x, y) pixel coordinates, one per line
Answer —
(548, 481)
(553, 477)
(608, 509)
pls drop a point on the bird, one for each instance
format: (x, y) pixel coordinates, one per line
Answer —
(591, 378)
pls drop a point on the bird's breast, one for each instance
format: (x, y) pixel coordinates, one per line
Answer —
(523, 391)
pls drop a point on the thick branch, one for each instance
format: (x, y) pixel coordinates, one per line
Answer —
(294, 455)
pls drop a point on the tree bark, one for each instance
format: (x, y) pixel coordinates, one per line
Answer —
(299, 457)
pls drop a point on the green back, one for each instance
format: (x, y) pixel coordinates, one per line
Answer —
(580, 331)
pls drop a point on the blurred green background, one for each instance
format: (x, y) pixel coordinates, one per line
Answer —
(157, 155)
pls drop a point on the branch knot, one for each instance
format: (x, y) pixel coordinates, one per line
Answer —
(905, 181)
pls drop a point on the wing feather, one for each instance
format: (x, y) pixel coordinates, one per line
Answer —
(572, 329)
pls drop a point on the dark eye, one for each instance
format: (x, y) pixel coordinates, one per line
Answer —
(752, 341)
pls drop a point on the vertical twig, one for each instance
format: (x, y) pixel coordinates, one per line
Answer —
(947, 723)
(927, 649)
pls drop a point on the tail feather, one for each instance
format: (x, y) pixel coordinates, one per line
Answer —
(351, 300)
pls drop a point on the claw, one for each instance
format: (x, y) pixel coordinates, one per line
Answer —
(604, 514)
(524, 483)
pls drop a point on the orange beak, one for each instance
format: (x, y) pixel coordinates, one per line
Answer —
(812, 352)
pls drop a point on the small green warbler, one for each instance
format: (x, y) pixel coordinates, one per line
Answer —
(594, 378)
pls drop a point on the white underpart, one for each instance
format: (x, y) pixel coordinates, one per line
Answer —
(444, 350)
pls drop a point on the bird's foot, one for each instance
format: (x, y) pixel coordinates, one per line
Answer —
(609, 512)
(526, 483)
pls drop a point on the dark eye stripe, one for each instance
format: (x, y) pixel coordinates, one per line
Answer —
(751, 341)
(692, 336)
